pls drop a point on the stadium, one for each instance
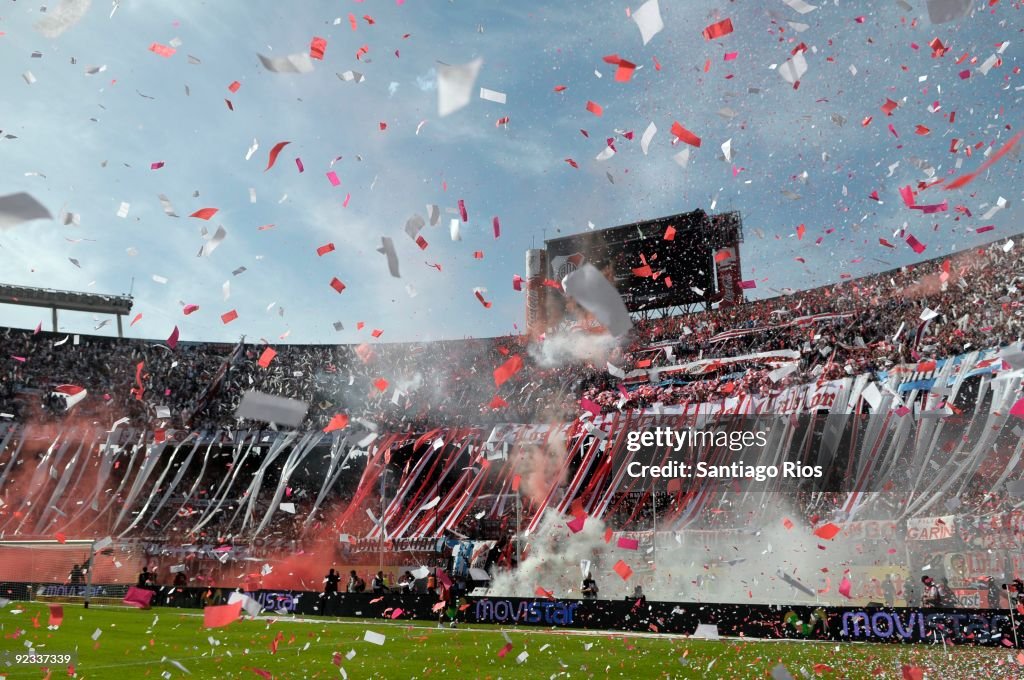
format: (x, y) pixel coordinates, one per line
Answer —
(676, 453)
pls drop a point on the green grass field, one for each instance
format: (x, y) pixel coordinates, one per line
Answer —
(164, 643)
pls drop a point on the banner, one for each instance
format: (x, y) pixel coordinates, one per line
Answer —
(871, 530)
(971, 598)
(930, 528)
(730, 290)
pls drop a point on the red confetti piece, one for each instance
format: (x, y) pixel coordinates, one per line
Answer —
(235, 86)
(623, 570)
(787, 523)
(228, 317)
(560, 88)
(265, 358)
(595, 108)
(337, 285)
(274, 153)
(204, 213)
(156, 166)
(338, 422)
(917, 246)
(670, 233)
(625, 69)
(496, 225)
(172, 340)
(381, 384)
(190, 308)
(462, 211)
(324, 249)
(827, 531)
(162, 50)
(685, 135)
(717, 30)
(376, 332)
(889, 106)
(317, 48)
(571, 162)
(800, 231)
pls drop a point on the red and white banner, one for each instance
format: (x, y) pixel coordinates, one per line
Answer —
(930, 528)
(729, 276)
(971, 598)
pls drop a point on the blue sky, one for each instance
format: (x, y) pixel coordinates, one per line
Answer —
(136, 112)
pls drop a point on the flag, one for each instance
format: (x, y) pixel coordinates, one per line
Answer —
(213, 387)
(138, 597)
(72, 394)
(217, 617)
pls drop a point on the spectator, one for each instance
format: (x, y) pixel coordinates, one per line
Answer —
(407, 582)
(932, 596)
(377, 584)
(889, 591)
(76, 577)
(355, 583)
(589, 588)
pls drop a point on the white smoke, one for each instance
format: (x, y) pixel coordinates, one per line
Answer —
(572, 347)
(736, 566)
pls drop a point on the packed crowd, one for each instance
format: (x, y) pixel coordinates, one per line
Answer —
(878, 323)
(974, 294)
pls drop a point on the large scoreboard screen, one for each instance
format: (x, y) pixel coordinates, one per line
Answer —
(657, 263)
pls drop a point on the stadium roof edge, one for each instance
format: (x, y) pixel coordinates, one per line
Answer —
(65, 299)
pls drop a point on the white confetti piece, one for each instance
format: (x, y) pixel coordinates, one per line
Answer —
(492, 95)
